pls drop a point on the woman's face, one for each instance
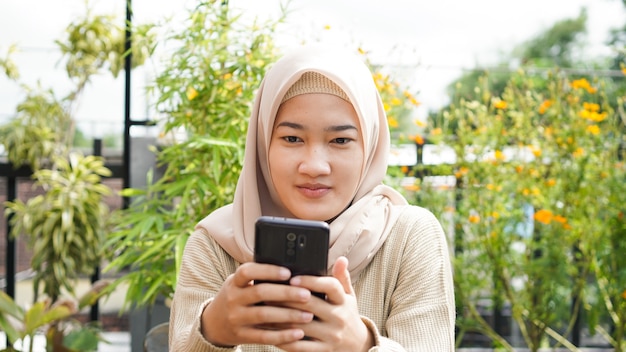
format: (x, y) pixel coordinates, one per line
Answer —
(316, 155)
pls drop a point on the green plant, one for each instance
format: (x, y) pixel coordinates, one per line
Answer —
(539, 208)
(205, 90)
(63, 332)
(64, 226)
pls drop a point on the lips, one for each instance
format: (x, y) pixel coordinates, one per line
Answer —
(313, 190)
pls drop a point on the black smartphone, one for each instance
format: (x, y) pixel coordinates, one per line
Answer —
(299, 245)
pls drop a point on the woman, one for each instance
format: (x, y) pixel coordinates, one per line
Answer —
(317, 149)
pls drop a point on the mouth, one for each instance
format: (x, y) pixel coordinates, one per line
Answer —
(313, 190)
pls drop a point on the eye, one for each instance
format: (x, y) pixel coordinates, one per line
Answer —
(292, 139)
(342, 140)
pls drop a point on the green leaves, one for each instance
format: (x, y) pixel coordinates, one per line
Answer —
(65, 225)
(205, 89)
(536, 210)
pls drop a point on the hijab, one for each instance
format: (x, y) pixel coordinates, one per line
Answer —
(360, 230)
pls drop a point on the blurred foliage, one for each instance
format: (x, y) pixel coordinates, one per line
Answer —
(63, 332)
(538, 208)
(95, 42)
(65, 226)
(204, 95)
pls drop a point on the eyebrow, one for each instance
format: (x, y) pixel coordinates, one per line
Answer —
(334, 128)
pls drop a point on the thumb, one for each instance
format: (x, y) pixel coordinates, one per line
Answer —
(341, 273)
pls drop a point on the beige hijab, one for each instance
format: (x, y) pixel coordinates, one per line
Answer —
(362, 228)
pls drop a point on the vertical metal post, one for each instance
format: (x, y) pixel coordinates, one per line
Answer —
(94, 313)
(127, 95)
(11, 248)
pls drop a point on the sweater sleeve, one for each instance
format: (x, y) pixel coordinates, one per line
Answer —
(203, 270)
(422, 317)
(406, 294)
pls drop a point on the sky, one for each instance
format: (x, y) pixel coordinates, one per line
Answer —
(425, 44)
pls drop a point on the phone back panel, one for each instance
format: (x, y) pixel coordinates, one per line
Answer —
(300, 245)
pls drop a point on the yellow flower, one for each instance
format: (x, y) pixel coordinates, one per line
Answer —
(550, 182)
(386, 107)
(191, 93)
(327, 27)
(435, 132)
(396, 101)
(593, 129)
(361, 51)
(419, 123)
(591, 106)
(543, 216)
(392, 122)
(536, 151)
(499, 155)
(519, 169)
(578, 152)
(474, 219)
(500, 104)
(583, 84)
(228, 76)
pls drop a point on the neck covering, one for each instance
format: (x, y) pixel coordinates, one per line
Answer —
(360, 230)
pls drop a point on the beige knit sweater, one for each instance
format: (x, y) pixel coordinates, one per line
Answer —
(405, 295)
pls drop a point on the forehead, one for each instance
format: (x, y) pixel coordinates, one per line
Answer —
(317, 109)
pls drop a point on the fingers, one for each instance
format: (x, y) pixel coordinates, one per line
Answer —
(247, 272)
(341, 273)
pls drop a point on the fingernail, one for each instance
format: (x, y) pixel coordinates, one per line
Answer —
(284, 273)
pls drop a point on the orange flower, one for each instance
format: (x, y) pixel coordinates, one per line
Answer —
(544, 106)
(624, 294)
(435, 132)
(404, 169)
(474, 219)
(560, 219)
(543, 216)
(418, 139)
(551, 182)
(578, 152)
(461, 172)
(413, 187)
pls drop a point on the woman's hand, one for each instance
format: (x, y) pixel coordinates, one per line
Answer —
(234, 317)
(337, 325)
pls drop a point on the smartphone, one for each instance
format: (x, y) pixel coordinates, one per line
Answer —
(299, 245)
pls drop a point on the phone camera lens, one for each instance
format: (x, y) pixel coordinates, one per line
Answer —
(291, 236)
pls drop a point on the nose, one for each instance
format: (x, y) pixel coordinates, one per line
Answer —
(315, 162)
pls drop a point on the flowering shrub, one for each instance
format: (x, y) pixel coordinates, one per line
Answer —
(538, 213)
